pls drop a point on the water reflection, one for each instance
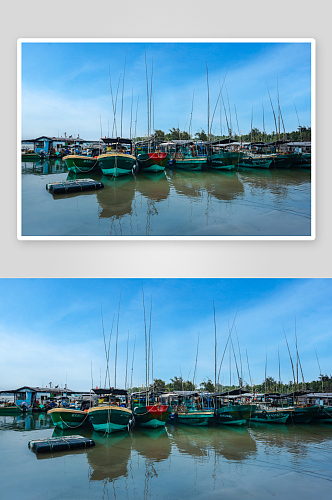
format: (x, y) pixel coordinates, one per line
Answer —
(115, 200)
(109, 459)
(243, 202)
(26, 422)
(154, 444)
(43, 167)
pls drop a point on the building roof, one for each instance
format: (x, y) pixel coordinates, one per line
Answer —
(54, 390)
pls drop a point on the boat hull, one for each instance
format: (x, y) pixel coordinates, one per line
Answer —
(224, 161)
(10, 410)
(109, 418)
(234, 414)
(152, 162)
(190, 163)
(30, 156)
(254, 163)
(152, 416)
(80, 164)
(116, 164)
(199, 417)
(284, 160)
(66, 418)
(269, 417)
(303, 161)
(302, 415)
(324, 414)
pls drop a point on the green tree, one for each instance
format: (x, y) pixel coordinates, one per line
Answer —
(159, 134)
(207, 385)
(159, 384)
(201, 135)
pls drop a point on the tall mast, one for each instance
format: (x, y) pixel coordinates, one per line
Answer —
(147, 95)
(208, 99)
(215, 349)
(275, 120)
(124, 72)
(116, 342)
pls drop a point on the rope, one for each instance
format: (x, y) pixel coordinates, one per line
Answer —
(78, 168)
(74, 427)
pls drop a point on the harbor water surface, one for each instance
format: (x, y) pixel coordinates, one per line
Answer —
(256, 461)
(243, 202)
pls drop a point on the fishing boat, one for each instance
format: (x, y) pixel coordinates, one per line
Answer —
(303, 161)
(111, 415)
(117, 160)
(69, 418)
(10, 409)
(149, 157)
(192, 416)
(300, 414)
(187, 158)
(30, 156)
(152, 414)
(284, 160)
(323, 415)
(228, 411)
(269, 416)
(82, 164)
(256, 161)
(221, 158)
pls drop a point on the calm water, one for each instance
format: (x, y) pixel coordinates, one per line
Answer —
(257, 462)
(245, 202)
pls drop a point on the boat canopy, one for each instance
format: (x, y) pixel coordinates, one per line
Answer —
(234, 392)
(112, 391)
(118, 140)
(227, 141)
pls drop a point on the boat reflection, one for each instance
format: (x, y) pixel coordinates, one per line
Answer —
(234, 444)
(26, 422)
(115, 199)
(43, 167)
(153, 186)
(109, 459)
(154, 444)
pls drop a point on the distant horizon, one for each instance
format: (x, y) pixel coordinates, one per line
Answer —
(66, 87)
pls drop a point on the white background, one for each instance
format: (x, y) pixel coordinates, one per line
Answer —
(178, 19)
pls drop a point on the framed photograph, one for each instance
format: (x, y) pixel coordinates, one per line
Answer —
(166, 139)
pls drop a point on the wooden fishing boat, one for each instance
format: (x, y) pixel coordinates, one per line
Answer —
(30, 156)
(193, 416)
(283, 160)
(303, 161)
(223, 160)
(80, 164)
(301, 414)
(69, 418)
(234, 414)
(10, 409)
(151, 415)
(323, 415)
(147, 410)
(187, 162)
(256, 161)
(152, 162)
(117, 160)
(112, 415)
(269, 416)
(116, 164)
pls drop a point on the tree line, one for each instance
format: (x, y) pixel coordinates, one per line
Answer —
(323, 384)
(302, 134)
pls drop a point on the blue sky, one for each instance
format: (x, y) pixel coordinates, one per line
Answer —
(66, 86)
(51, 331)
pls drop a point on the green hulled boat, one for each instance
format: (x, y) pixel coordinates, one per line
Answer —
(186, 162)
(109, 418)
(151, 415)
(300, 415)
(116, 163)
(303, 161)
(255, 161)
(224, 160)
(80, 164)
(67, 418)
(152, 162)
(10, 409)
(283, 160)
(269, 416)
(234, 414)
(192, 416)
(324, 414)
(30, 156)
